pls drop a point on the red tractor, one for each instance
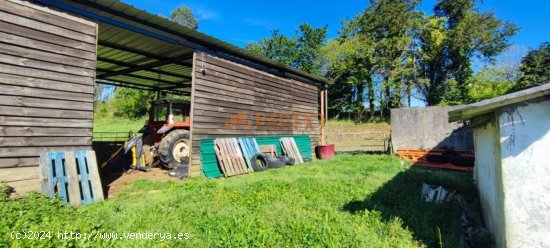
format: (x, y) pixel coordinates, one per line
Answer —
(166, 133)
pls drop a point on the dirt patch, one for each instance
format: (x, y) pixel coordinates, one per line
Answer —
(117, 182)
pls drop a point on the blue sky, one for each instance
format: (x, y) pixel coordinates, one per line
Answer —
(240, 22)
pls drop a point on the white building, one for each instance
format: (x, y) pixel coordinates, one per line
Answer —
(512, 170)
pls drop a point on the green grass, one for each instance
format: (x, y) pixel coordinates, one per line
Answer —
(118, 124)
(116, 128)
(350, 201)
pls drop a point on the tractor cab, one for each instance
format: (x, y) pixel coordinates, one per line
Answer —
(166, 115)
(166, 133)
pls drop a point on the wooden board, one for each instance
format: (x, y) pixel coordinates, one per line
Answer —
(39, 83)
(46, 15)
(47, 75)
(290, 149)
(21, 101)
(230, 157)
(45, 122)
(18, 162)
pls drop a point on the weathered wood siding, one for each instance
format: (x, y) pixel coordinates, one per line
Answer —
(263, 104)
(47, 71)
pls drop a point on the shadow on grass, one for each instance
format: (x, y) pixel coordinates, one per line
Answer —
(430, 223)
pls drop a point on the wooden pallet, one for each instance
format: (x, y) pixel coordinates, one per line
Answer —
(72, 176)
(290, 149)
(418, 157)
(446, 166)
(230, 157)
(249, 148)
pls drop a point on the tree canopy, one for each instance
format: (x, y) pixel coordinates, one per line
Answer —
(184, 16)
(301, 51)
(535, 68)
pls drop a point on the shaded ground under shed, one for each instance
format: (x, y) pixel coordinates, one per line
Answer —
(117, 174)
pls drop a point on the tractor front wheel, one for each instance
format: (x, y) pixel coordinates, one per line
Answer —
(173, 147)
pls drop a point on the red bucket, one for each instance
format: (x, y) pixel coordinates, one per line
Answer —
(325, 151)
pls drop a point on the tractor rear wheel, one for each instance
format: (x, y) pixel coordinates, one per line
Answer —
(173, 147)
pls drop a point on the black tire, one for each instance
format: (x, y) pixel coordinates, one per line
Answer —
(177, 139)
(273, 162)
(258, 162)
(287, 160)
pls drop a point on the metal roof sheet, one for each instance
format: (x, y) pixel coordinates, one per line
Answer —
(145, 49)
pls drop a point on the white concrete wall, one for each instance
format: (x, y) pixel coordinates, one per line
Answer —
(488, 178)
(525, 151)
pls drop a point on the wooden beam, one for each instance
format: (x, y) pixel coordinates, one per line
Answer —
(322, 117)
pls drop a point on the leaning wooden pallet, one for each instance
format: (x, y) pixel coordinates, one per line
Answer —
(71, 175)
(222, 161)
(291, 149)
(230, 157)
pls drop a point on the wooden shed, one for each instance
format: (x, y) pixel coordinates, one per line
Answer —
(53, 51)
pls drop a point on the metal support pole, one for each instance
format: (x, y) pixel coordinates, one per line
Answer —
(322, 117)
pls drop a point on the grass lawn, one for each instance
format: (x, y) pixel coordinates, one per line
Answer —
(105, 128)
(350, 201)
(118, 124)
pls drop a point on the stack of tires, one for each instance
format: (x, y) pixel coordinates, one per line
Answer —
(261, 162)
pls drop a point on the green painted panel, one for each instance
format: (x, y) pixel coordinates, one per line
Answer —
(209, 162)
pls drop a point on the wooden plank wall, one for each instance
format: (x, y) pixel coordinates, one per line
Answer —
(227, 91)
(47, 73)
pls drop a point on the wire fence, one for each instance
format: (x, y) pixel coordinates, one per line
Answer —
(111, 136)
(358, 141)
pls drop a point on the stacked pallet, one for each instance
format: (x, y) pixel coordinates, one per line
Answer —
(73, 176)
(230, 157)
(290, 149)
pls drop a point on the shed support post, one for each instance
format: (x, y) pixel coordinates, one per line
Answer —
(322, 117)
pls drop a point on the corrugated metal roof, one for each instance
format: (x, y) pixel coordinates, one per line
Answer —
(118, 46)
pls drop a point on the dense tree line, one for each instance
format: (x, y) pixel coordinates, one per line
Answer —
(392, 54)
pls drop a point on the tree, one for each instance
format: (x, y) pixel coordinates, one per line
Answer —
(349, 64)
(300, 51)
(467, 34)
(278, 47)
(392, 24)
(535, 67)
(131, 103)
(490, 82)
(184, 16)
